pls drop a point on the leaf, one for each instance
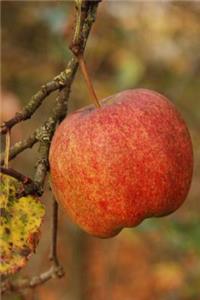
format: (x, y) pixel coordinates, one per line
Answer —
(20, 220)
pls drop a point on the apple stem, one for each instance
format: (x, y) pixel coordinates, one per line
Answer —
(77, 49)
(88, 81)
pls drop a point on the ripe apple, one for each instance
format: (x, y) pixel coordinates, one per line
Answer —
(129, 160)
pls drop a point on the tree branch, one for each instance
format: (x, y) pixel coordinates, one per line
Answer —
(43, 136)
(57, 83)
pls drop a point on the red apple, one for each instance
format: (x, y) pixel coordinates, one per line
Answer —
(129, 160)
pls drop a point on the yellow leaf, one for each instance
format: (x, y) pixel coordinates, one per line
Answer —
(20, 222)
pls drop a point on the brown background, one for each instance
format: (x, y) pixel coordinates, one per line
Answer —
(133, 44)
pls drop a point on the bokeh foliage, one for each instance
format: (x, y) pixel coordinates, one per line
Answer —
(133, 44)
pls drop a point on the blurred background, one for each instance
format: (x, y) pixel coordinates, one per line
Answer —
(133, 44)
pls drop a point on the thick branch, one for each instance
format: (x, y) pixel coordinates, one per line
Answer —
(44, 136)
(60, 110)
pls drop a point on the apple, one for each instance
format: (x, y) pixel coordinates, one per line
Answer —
(129, 160)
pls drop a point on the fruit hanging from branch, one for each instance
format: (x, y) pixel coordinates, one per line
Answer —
(114, 166)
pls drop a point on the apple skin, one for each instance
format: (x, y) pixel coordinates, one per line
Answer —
(129, 160)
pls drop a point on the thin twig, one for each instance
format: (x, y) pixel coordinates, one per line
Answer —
(29, 187)
(57, 83)
(13, 173)
(54, 226)
(7, 150)
(20, 147)
(23, 283)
